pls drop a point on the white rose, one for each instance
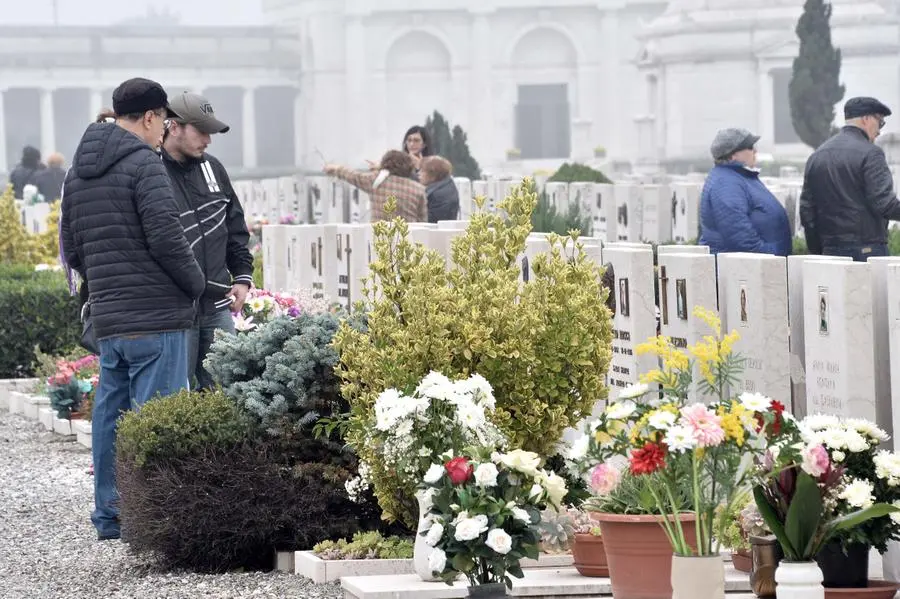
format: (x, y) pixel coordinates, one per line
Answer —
(426, 497)
(499, 541)
(434, 534)
(437, 561)
(434, 474)
(555, 486)
(486, 475)
(520, 515)
(526, 462)
(536, 491)
(470, 529)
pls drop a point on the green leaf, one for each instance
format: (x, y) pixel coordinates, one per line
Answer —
(804, 514)
(773, 522)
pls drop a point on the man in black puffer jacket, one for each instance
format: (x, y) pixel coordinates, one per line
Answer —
(120, 230)
(213, 223)
(848, 192)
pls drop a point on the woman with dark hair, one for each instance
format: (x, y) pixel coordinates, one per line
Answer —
(24, 172)
(417, 144)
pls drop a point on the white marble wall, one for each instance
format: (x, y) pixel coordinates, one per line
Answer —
(753, 301)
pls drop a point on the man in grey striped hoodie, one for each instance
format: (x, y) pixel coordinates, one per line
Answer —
(213, 222)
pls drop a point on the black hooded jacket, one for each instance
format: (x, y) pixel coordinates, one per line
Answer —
(214, 225)
(120, 229)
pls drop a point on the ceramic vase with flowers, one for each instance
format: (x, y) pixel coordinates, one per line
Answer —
(485, 516)
(663, 431)
(802, 495)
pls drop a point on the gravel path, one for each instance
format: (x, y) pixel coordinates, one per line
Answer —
(48, 547)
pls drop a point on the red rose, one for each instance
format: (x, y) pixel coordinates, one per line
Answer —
(459, 470)
(647, 460)
(777, 419)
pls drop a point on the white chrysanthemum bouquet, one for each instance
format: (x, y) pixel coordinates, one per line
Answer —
(410, 432)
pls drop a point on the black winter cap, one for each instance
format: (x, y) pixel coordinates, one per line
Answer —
(139, 95)
(861, 106)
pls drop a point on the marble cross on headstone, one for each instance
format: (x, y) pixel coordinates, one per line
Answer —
(753, 301)
(686, 280)
(628, 212)
(839, 337)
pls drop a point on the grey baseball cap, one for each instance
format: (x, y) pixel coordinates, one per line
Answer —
(196, 110)
(729, 141)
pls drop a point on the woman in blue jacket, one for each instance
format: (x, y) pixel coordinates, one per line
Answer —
(737, 212)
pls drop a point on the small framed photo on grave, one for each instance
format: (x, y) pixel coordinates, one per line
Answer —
(681, 298)
(624, 306)
(526, 274)
(823, 311)
(744, 314)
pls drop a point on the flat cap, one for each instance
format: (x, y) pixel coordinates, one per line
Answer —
(139, 95)
(731, 140)
(862, 106)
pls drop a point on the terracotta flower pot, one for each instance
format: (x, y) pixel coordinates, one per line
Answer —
(639, 554)
(742, 560)
(589, 555)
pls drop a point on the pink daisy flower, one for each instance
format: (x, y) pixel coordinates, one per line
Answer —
(704, 423)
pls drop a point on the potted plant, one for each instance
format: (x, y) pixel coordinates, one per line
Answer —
(484, 511)
(439, 415)
(873, 476)
(74, 382)
(660, 430)
(734, 536)
(588, 551)
(557, 530)
(600, 152)
(800, 496)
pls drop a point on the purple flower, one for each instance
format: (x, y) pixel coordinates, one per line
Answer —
(293, 311)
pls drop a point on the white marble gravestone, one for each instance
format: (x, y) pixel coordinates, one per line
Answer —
(287, 200)
(702, 250)
(581, 195)
(840, 356)
(335, 210)
(464, 187)
(893, 315)
(356, 251)
(318, 199)
(306, 267)
(684, 211)
(628, 212)
(356, 205)
(881, 326)
(34, 217)
(656, 226)
(796, 324)
(259, 201)
(603, 212)
(686, 280)
(271, 200)
(558, 196)
(635, 316)
(276, 249)
(535, 245)
(332, 250)
(794, 187)
(753, 301)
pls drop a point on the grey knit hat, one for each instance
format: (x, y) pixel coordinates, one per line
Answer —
(729, 141)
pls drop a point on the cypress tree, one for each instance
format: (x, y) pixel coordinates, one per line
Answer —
(815, 83)
(452, 146)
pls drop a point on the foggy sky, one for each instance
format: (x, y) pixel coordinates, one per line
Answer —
(107, 12)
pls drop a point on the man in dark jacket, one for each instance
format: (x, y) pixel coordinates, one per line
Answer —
(24, 172)
(440, 190)
(213, 222)
(120, 230)
(848, 191)
(49, 181)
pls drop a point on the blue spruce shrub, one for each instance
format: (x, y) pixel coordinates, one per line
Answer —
(282, 374)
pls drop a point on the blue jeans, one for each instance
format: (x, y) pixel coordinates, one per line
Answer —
(859, 253)
(201, 338)
(133, 370)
